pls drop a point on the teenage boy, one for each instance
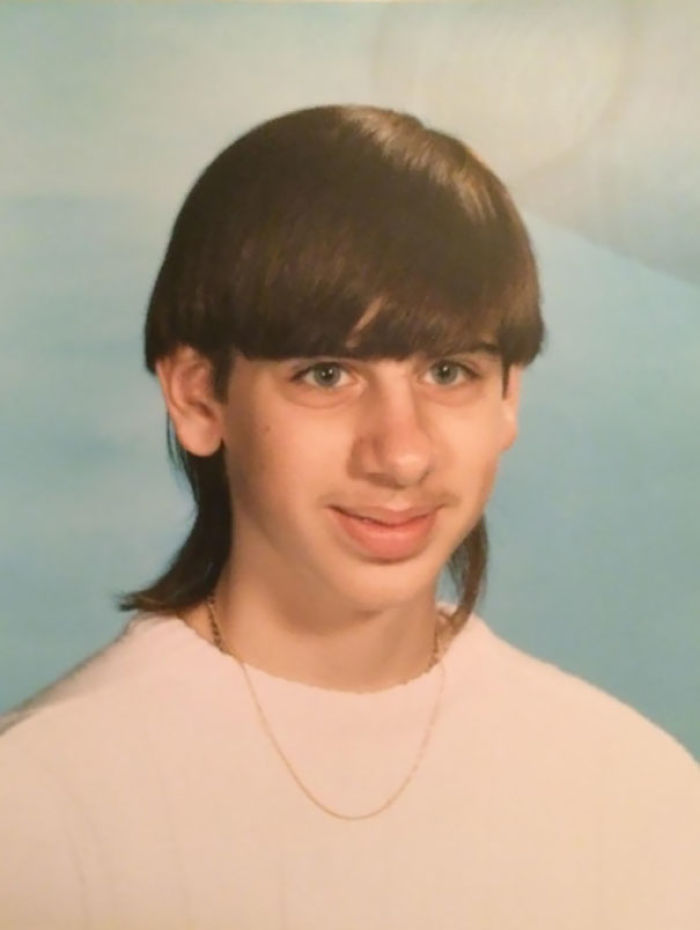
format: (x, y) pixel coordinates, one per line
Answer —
(292, 732)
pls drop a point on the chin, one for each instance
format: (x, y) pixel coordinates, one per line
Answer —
(382, 586)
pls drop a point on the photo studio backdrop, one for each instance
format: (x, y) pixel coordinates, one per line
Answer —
(587, 110)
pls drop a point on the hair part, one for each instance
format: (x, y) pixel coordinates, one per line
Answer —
(340, 231)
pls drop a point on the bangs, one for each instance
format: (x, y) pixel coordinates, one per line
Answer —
(384, 287)
(349, 242)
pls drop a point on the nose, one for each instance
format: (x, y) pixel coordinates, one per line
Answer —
(393, 444)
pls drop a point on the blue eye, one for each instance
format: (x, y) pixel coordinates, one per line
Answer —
(324, 374)
(449, 372)
(328, 374)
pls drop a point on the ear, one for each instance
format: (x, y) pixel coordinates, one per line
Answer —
(510, 402)
(197, 416)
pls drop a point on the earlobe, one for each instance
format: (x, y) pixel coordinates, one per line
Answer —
(185, 379)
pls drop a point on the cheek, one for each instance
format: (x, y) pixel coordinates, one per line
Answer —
(500, 428)
(480, 440)
(249, 458)
(279, 467)
(475, 464)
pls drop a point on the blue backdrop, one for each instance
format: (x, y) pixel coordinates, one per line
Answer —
(109, 111)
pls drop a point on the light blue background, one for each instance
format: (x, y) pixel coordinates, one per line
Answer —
(108, 112)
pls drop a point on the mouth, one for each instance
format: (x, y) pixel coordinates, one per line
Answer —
(386, 534)
(385, 516)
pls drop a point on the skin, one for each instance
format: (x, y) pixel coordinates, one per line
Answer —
(298, 598)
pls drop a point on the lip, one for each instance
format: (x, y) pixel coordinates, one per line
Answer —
(388, 515)
(386, 534)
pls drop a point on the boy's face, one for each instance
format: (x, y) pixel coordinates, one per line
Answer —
(313, 446)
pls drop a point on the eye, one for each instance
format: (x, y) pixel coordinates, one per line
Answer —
(448, 372)
(324, 374)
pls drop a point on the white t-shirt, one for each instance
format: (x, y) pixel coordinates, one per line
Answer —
(143, 793)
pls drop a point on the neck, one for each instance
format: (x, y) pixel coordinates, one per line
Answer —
(322, 641)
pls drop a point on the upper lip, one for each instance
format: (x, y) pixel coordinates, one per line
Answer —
(390, 516)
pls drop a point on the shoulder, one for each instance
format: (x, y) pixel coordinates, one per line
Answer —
(579, 772)
(571, 745)
(81, 763)
(149, 661)
(99, 740)
(543, 705)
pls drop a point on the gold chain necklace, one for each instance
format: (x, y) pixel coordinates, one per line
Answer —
(435, 659)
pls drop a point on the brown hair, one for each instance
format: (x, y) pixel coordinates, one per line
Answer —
(286, 240)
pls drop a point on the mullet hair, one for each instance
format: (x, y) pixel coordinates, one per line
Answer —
(341, 231)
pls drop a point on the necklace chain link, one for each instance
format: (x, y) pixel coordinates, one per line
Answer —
(435, 659)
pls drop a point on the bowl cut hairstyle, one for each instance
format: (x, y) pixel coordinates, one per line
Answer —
(341, 232)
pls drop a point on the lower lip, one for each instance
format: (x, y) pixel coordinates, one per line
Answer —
(384, 541)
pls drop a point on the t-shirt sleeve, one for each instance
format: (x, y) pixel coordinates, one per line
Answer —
(42, 884)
